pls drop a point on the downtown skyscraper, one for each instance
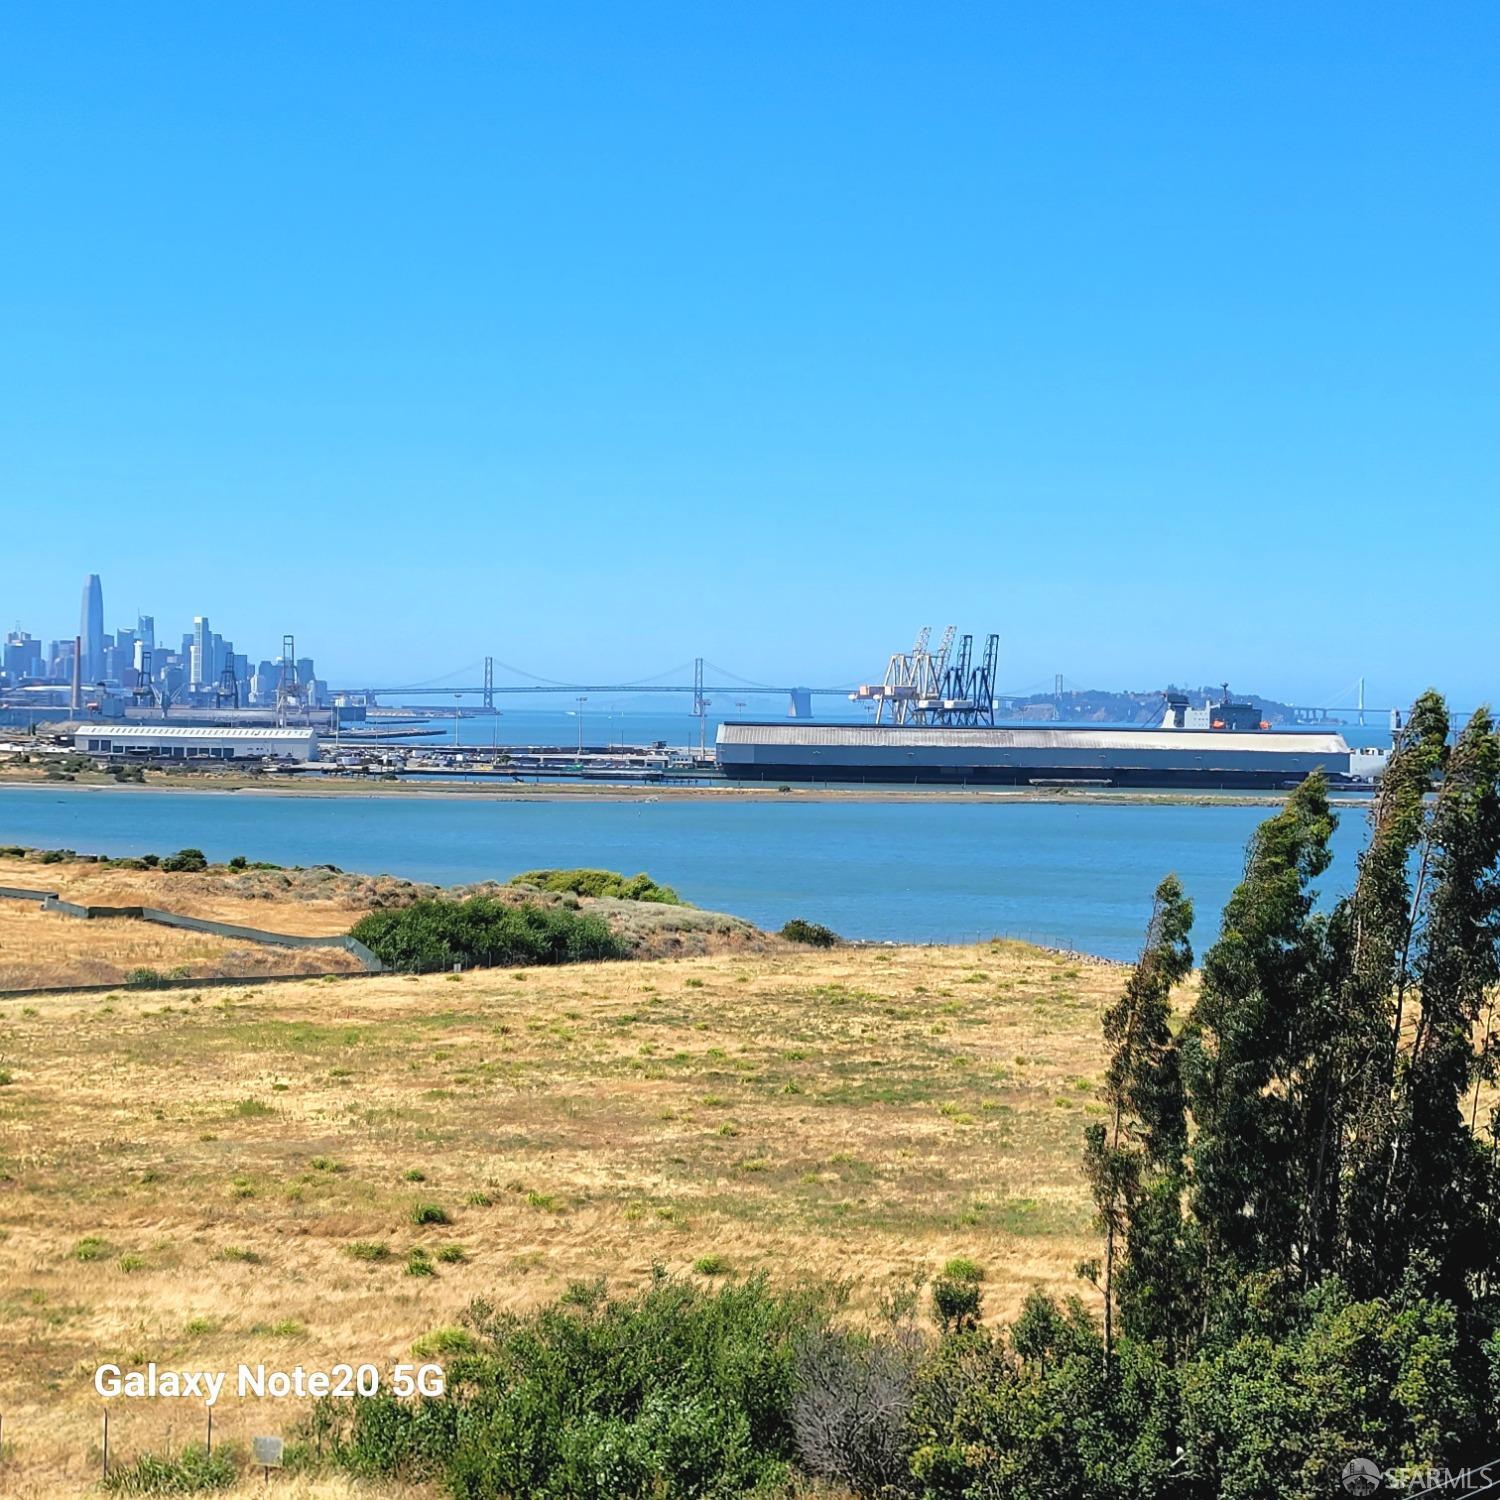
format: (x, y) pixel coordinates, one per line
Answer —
(91, 630)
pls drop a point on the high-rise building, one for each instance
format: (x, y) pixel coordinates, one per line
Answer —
(91, 629)
(23, 656)
(200, 653)
(145, 631)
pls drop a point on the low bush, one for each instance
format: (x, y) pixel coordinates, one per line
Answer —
(192, 1471)
(813, 934)
(956, 1303)
(145, 979)
(670, 1393)
(186, 861)
(429, 936)
(446, 1342)
(601, 883)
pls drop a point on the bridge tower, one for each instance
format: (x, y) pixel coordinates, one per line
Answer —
(489, 684)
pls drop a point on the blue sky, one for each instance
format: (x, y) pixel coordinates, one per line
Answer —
(1159, 337)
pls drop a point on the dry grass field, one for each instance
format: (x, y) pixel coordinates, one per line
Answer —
(40, 948)
(204, 1179)
(44, 948)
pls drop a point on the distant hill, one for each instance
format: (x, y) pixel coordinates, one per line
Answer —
(1103, 706)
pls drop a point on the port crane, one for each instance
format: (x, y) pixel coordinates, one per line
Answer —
(929, 687)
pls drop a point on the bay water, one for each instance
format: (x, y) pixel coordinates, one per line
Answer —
(933, 869)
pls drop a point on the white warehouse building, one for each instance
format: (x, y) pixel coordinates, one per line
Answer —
(180, 742)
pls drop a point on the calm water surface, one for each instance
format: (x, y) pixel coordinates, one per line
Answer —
(938, 871)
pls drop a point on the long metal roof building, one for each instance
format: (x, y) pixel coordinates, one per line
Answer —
(185, 742)
(1085, 754)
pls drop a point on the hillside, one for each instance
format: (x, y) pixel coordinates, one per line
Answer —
(40, 948)
(196, 1181)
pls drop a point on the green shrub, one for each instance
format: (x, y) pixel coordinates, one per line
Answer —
(674, 1392)
(441, 1341)
(956, 1303)
(429, 936)
(962, 1269)
(92, 1247)
(813, 934)
(452, 1255)
(370, 1250)
(239, 862)
(419, 1263)
(189, 1472)
(601, 883)
(429, 1213)
(186, 860)
(145, 979)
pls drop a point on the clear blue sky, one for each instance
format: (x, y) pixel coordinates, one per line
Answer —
(1160, 337)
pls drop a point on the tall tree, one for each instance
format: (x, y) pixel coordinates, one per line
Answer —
(1246, 1043)
(1372, 935)
(1435, 1209)
(1134, 1162)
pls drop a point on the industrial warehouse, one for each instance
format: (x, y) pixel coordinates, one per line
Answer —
(1051, 755)
(156, 742)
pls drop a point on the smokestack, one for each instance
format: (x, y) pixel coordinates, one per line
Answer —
(77, 675)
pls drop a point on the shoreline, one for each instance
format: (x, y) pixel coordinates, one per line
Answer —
(292, 787)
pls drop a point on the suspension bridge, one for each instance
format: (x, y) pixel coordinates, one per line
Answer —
(702, 681)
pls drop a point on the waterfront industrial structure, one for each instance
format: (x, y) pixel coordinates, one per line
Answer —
(1051, 755)
(942, 729)
(177, 742)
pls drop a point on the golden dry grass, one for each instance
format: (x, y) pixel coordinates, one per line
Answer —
(39, 948)
(303, 903)
(855, 1114)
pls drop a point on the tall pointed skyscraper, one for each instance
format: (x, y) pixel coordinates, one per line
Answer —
(91, 630)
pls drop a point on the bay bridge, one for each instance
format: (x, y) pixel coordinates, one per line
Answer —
(701, 678)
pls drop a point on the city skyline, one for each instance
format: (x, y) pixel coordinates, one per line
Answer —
(205, 668)
(129, 663)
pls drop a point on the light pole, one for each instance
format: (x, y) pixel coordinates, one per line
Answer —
(581, 701)
(456, 700)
